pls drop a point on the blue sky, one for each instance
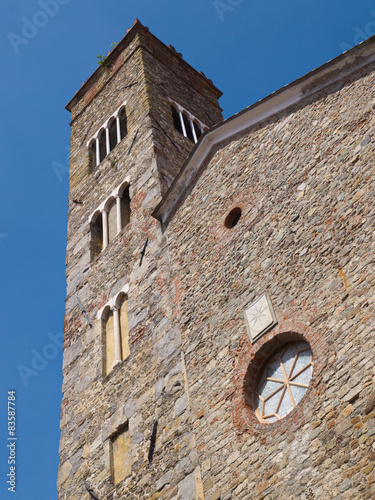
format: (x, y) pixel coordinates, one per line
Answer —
(47, 49)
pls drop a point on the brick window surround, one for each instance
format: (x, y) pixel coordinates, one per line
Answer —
(249, 362)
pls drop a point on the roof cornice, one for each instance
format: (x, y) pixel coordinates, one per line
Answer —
(342, 66)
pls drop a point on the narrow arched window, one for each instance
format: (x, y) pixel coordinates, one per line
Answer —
(109, 336)
(102, 146)
(112, 134)
(96, 235)
(125, 207)
(123, 123)
(176, 119)
(124, 327)
(189, 132)
(197, 129)
(112, 221)
(92, 154)
(115, 333)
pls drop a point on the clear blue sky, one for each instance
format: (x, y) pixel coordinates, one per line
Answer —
(248, 48)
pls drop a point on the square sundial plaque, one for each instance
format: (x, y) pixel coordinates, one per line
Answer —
(260, 317)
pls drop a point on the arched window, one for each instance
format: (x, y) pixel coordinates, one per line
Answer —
(109, 341)
(109, 220)
(92, 154)
(112, 220)
(186, 124)
(188, 129)
(112, 134)
(124, 326)
(123, 123)
(176, 119)
(197, 129)
(96, 235)
(102, 146)
(125, 207)
(115, 333)
(108, 136)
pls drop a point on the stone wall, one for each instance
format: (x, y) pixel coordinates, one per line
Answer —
(304, 181)
(103, 413)
(174, 420)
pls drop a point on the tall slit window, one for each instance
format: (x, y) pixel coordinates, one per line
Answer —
(125, 207)
(92, 152)
(176, 119)
(112, 134)
(198, 131)
(102, 145)
(112, 220)
(123, 124)
(97, 235)
(188, 127)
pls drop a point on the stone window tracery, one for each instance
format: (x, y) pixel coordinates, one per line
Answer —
(186, 123)
(283, 382)
(108, 136)
(109, 219)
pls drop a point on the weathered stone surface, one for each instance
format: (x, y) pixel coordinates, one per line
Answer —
(186, 488)
(183, 400)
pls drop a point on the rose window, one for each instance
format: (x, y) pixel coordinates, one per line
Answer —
(283, 382)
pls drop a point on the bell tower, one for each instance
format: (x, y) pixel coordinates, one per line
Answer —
(134, 123)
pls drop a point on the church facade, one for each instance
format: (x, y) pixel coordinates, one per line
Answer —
(218, 335)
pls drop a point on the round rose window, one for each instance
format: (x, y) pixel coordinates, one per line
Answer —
(283, 381)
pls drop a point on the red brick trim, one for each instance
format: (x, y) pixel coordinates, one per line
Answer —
(249, 361)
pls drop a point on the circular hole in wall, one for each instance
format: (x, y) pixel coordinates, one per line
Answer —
(232, 218)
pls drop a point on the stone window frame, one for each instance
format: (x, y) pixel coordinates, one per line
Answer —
(114, 305)
(103, 210)
(187, 129)
(112, 428)
(249, 361)
(124, 433)
(102, 138)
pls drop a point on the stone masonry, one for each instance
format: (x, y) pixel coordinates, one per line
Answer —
(303, 176)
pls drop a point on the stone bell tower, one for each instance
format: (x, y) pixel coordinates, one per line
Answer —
(134, 123)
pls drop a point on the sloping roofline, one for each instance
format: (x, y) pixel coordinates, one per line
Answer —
(334, 70)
